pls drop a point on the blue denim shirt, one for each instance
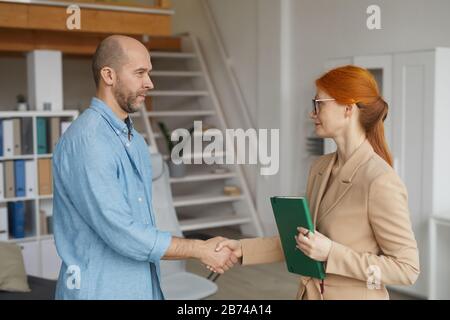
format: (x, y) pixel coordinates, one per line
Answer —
(104, 225)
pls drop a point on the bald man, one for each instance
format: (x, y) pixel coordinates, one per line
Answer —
(104, 226)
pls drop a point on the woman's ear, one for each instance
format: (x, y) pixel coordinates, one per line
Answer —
(349, 110)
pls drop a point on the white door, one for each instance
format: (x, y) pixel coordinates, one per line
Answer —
(412, 113)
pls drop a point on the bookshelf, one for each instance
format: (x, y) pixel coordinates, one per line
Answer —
(38, 248)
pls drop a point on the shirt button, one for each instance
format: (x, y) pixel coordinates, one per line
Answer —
(117, 131)
(127, 144)
(140, 199)
(124, 130)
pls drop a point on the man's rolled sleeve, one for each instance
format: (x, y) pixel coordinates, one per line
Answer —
(162, 243)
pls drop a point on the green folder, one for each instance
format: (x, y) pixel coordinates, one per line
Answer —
(291, 213)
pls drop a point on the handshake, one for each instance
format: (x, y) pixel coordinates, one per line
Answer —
(220, 254)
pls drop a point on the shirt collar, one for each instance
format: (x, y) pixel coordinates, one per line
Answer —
(119, 126)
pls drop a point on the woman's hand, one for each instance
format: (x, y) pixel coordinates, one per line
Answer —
(234, 245)
(314, 245)
(236, 252)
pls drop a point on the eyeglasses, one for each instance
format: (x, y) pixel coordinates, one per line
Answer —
(316, 105)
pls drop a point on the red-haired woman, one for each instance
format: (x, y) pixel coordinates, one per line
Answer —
(358, 202)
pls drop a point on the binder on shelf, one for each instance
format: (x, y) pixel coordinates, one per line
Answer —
(8, 143)
(3, 222)
(55, 133)
(2, 182)
(17, 136)
(27, 136)
(50, 224)
(41, 125)
(1, 138)
(16, 216)
(30, 178)
(45, 176)
(19, 178)
(30, 219)
(10, 189)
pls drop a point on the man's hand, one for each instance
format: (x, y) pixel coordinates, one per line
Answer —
(233, 245)
(216, 260)
(229, 245)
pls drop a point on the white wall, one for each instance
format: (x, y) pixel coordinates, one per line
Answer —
(242, 49)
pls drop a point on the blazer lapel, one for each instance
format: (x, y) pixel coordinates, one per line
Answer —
(319, 185)
(343, 182)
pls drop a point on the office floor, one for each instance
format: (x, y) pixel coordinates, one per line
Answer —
(262, 282)
(270, 281)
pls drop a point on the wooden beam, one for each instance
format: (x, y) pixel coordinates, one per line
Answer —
(158, 4)
(70, 43)
(38, 17)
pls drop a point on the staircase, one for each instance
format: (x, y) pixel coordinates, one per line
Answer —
(183, 94)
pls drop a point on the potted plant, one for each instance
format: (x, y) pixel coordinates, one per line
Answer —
(175, 170)
(21, 103)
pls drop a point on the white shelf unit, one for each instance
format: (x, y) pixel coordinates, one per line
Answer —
(439, 278)
(39, 252)
(415, 84)
(183, 94)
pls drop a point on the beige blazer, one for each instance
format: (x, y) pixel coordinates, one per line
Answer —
(365, 213)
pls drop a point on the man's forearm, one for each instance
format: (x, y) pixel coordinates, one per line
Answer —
(181, 248)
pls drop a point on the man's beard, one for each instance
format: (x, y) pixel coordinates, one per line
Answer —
(128, 100)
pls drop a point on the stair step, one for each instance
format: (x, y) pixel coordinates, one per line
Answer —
(185, 201)
(203, 177)
(175, 93)
(212, 222)
(172, 55)
(180, 98)
(176, 74)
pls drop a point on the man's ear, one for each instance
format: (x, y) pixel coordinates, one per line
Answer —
(108, 75)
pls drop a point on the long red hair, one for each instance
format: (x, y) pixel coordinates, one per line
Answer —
(355, 85)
